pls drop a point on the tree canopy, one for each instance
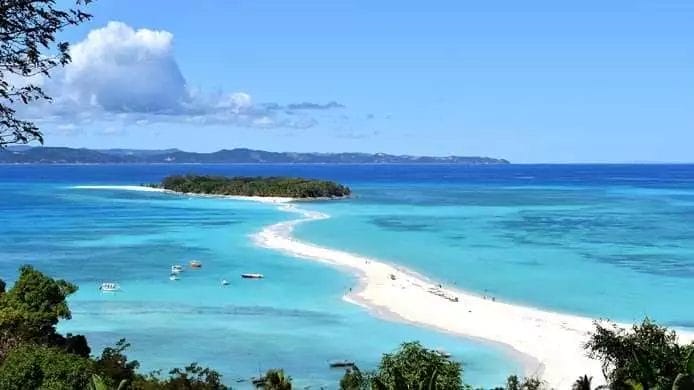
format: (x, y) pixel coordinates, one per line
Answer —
(411, 367)
(648, 355)
(276, 380)
(28, 49)
(31, 309)
(254, 186)
(39, 367)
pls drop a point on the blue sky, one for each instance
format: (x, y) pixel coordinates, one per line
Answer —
(531, 81)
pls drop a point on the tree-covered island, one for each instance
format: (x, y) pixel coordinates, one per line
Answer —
(290, 187)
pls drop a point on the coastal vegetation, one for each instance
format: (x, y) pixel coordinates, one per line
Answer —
(289, 187)
(33, 355)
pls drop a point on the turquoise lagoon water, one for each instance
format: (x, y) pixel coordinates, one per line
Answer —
(605, 241)
(294, 319)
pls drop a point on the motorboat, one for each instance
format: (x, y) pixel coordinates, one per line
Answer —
(342, 364)
(252, 276)
(443, 353)
(109, 287)
(174, 277)
(225, 282)
(195, 264)
(176, 269)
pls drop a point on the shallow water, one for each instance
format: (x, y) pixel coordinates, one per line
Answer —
(294, 319)
(603, 241)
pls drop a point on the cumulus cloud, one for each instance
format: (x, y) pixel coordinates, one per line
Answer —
(123, 70)
(121, 74)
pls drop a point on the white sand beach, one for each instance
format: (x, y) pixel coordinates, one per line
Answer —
(552, 342)
(262, 199)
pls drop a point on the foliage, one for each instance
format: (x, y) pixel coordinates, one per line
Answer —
(352, 380)
(528, 383)
(254, 186)
(31, 309)
(98, 383)
(39, 367)
(582, 383)
(416, 367)
(191, 377)
(276, 380)
(648, 355)
(28, 49)
(685, 380)
(113, 364)
(75, 344)
(513, 383)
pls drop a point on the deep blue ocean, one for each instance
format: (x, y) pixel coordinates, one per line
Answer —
(610, 241)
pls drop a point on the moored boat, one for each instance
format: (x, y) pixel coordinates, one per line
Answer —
(195, 264)
(252, 276)
(109, 287)
(176, 269)
(443, 353)
(225, 282)
(174, 277)
(341, 364)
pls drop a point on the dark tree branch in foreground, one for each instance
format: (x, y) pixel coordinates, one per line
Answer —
(28, 48)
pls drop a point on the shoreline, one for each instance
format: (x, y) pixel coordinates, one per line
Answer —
(261, 199)
(548, 344)
(411, 298)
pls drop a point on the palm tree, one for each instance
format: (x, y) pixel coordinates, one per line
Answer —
(276, 380)
(582, 383)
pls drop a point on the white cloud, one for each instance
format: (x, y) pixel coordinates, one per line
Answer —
(123, 70)
(263, 121)
(119, 74)
(236, 102)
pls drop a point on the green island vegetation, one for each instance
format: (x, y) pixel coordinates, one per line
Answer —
(289, 187)
(33, 355)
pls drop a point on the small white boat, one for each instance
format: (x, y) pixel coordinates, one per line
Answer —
(443, 352)
(252, 276)
(176, 269)
(174, 277)
(109, 287)
(225, 282)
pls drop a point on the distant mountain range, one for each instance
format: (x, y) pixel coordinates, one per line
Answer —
(62, 155)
